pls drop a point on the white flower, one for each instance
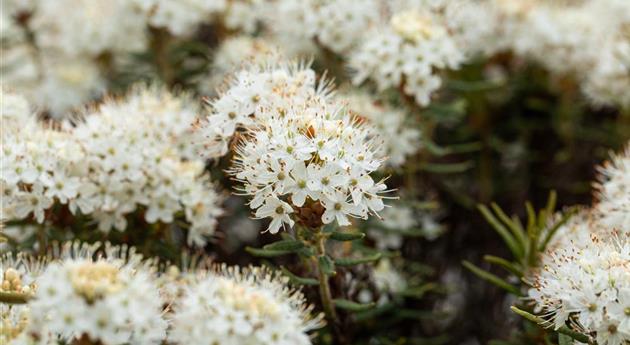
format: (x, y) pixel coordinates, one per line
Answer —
(180, 17)
(613, 192)
(242, 306)
(299, 146)
(401, 137)
(278, 211)
(128, 154)
(91, 27)
(407, 53)
(336, 25)
(584, 278)
(113, 299)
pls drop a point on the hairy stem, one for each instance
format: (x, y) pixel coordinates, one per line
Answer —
(324, 286)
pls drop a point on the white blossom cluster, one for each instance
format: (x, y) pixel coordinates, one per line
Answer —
(337, 25)
(301, 148)
(402, 138)
(100, 293)
(399, 220)
(60, 59)
(408, 52)
(113, 299)
(125, 156)
(584, 281)
(587, 39)
(613, 192)
(233, 305)
(233, 54)
(587, 285)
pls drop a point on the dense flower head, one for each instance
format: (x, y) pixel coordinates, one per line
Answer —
(51, 81)
(301, 151)
(232, 305)
(335, 24)
(586, 283)
(407, 51)
(126, 155)
(179, 17)
(91, 27)
(584, 279)
(587, 39)
(233, 54)
(108, 295)
(401, 138)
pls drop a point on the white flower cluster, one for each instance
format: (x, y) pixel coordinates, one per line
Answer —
(587, 284)
(107, 295)
(128, 154)
(335, 24)
(613, 192)
(179, 17)
(242, 306)
(408, 52)
(105, 300)
(233, 54)
(402, 138)
(400, 220)
(584, 281)
(90, 28)
(65, 62)
(588, 39)
(301, 148)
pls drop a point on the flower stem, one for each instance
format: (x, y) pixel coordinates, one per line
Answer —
(324, 286)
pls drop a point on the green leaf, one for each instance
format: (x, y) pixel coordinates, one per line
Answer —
(582, 338)
(492, 278)
(419, 291)
(352, 306)
(295, 279)
(510, 267)
(552, 231)
(357, 261)
(346, 235)
(514, 227)
(509, 240)
(326, 265)
(285, 245)
(267, 253)
(564, 339)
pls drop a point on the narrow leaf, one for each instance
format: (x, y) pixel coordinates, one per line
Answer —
(295, 279)
(352, 306)
(582, 338)
(508, 266)
(419, 291)
(346, 235)
(564, 339)
(492, 278)
(286, 245)
(266, 253)
(357, 261)
(326, 265)
(516, 230)
(502, 231)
